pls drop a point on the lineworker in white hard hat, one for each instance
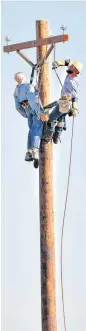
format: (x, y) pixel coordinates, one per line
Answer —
(68, 103)
(27, 104)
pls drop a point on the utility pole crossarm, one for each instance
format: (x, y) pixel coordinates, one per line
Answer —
(36, 43)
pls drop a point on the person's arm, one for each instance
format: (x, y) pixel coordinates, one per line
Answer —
(19, 107)
(60, 63)
(34, 100)
(50, 105)
(74, 110)
(74, 91)
(35, 104)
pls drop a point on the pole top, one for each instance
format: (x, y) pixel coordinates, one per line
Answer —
(45, 21)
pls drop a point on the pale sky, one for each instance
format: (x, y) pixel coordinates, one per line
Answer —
(21, 309)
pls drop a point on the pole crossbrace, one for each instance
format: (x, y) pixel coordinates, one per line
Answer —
(25, 58)
(41, 62)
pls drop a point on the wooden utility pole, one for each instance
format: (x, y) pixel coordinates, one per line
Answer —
(48, 288)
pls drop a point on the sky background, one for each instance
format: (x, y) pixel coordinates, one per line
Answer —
(21, 309)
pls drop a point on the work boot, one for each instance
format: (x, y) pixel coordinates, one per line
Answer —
(36, 163)
(49, 136)
(35, 154)
(56, 136)
(28, 156)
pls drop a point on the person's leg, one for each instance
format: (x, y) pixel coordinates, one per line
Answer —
(55, 114)
(35, 104)
(60, 111)
(59, 128)
(28, 156)
(52, 122)
(36, 133)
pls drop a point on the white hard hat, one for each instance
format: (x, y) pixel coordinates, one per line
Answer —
(78, 65)
(20, 75)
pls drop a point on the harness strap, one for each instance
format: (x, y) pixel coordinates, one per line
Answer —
(32, 74)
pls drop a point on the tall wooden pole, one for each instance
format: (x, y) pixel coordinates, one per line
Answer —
(48, 289)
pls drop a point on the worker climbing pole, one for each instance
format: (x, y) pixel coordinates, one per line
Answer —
(27, 101)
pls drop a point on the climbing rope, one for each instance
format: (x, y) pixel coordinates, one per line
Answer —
(63, 223)
(65, 208)
(58, 76)
(55, 68)
(32, 74)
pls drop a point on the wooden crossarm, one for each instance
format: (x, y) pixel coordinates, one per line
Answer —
(36, 43)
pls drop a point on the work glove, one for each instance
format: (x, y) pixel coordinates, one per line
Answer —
(67, 62)
(44, 117)
(74, 110)
(60, 63)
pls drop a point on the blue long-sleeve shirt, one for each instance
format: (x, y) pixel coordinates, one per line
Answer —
(70, 87)
(26, 92)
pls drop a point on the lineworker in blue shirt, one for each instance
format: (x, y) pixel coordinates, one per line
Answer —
(29, 106)
(68, 103)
